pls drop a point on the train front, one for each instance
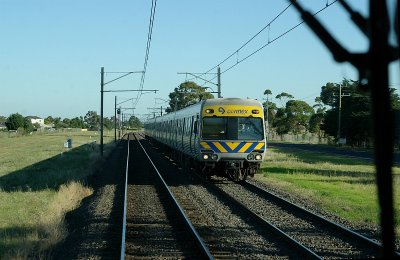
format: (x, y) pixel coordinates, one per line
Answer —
(232, 140)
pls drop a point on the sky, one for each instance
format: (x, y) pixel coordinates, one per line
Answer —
(51, 52)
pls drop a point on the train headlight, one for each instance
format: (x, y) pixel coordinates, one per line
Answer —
(250, 157)
(205, 156)
(258, 157)
(214, 157)
(209, 111)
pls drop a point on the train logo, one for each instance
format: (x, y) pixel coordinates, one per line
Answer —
(221, 110)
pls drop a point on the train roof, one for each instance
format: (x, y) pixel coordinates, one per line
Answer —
(196, 108)
(232, 101)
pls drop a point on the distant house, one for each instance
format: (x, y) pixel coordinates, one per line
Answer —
(36, 120)
(3, 126)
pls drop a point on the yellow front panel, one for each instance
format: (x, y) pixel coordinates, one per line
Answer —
(234, 110)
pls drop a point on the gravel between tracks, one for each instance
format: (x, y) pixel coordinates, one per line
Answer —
(368, 230)
(155, 229)
(322, 239)
(221, 225)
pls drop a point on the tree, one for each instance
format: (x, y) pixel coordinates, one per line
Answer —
(355, 119)
(267, 92)
(92, 120)
(280, 122)
(28, 126)
(298, 115)
(49, 120)
(108, 123)
(77, 122)
(188, 93)
(67, 122)
(3, 119)
(319, 105)
(134, 122)
(15, 121)
(58, 123)
(283, 96)
(317, 119)
(329, 94)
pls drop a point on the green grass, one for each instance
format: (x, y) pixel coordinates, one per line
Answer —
(32, 170)
(344, 186)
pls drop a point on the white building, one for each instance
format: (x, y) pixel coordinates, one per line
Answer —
(36, 119)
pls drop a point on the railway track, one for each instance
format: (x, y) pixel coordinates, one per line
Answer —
(322, 236)
(155, 225)
(232, 220)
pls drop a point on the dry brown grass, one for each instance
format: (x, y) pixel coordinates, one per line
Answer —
(52, 224)
(51, 227)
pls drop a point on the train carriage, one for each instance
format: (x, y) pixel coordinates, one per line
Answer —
(224, 136)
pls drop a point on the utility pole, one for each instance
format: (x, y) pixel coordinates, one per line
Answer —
(119, 123)
(219, 82)
(115, 119)
(101, 111)
(340, 110)
(102, 91)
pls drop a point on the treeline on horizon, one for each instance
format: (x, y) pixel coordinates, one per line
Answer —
(90, 121)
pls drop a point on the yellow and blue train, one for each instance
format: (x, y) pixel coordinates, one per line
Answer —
(224, 136)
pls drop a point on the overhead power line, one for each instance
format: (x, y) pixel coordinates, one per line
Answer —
(146, 58)
(251, 39)
(265, 45)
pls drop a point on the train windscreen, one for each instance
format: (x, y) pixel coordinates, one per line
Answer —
(232, 128)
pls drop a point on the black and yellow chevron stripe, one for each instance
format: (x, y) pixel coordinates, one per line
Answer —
(232, 147)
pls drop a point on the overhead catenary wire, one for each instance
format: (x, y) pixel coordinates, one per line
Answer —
(147, 53)
(236, 52)
(251, 39)
(238, 61)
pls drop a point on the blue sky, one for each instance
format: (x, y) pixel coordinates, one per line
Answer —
(51, 51)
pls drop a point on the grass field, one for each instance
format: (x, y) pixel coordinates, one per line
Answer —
(344, 186)
(40, 181)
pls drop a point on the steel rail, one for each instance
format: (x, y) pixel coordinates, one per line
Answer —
(313, 215)
(308, 253)
(202, 246)
(122, 256)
